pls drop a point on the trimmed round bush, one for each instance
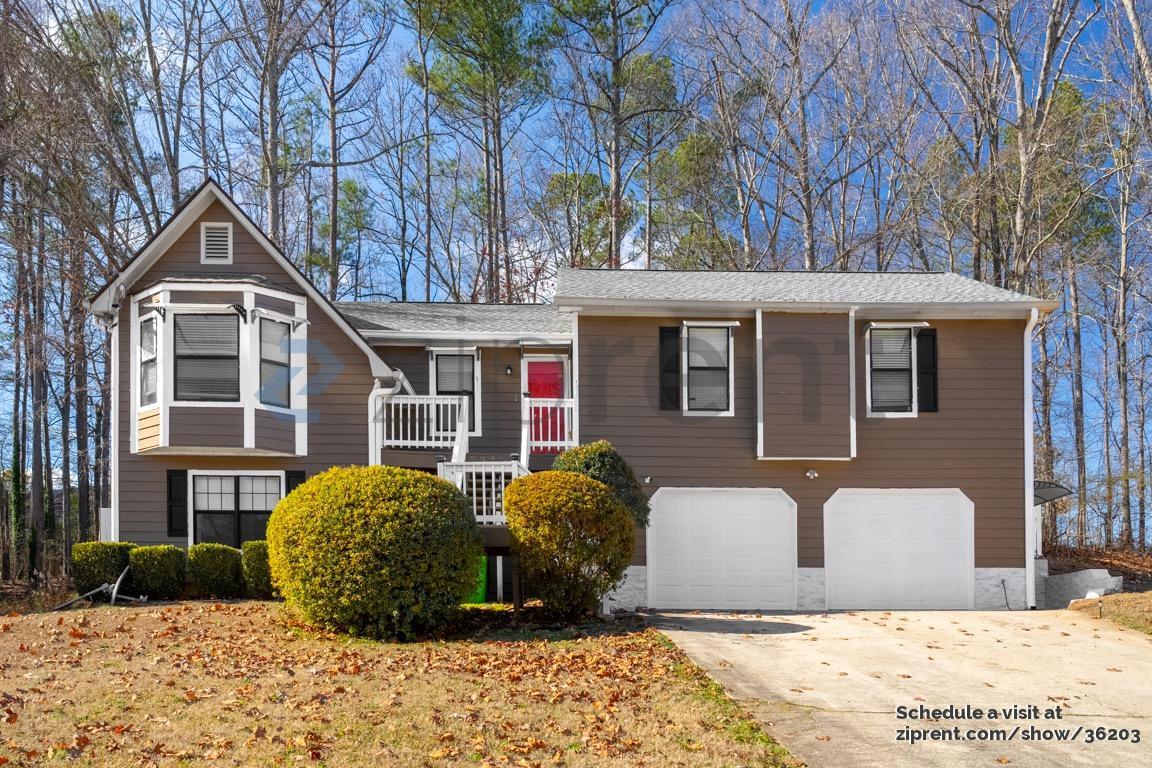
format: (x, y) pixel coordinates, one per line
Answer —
(573, 536)
(215, 570)
(95, 563)
(376, 551)
(257, 574)
(600, 461)
(159, 571)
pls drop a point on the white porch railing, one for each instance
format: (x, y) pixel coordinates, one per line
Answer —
(484, 483)
(547, 425)
(425, 421)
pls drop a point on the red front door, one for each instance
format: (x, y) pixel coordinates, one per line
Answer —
(549, 424)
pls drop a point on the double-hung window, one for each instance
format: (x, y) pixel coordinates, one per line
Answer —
(455, 374)
(707, 369)
(902, 378)
(207, 357)
(275, 344)
(148, 370)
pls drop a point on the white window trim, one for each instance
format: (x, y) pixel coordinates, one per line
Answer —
(138, 385)
(193, 473)
(203, 256)
(246, 367)
(684, 326)
(258, 348)
(478, 409)
(869, 413)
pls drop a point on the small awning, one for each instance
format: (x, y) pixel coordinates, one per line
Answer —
(1044, 492)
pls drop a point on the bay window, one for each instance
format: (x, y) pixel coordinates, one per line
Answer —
(148, 371)
(275, 343)
(207, 357)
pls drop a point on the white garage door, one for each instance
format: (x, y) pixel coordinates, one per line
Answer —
(898, 548)
(731, 548)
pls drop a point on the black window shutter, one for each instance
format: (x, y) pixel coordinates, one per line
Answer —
(292, 478)
(178, 503)
(670, 368)
(926, 386)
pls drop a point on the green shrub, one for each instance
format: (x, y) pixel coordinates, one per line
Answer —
(215, 570)
(100, 562)
(573, 536)
(600, 461)
(159, 571)
(377, 551)
(257, 574)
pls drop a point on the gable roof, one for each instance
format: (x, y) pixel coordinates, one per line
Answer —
(379, 319)
(795, 290)
(106, 301)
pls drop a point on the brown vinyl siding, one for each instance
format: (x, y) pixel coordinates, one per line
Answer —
(207, 297)
(276, 305)
(806, 385)
(248, 256)
(339, 381)
(499, 394)
(975, 442)
(215, 427)
(275, 431)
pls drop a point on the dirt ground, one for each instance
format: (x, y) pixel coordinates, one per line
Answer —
(240, 684)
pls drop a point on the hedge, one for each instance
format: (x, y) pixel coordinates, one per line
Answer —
(95, 563)
(600, 461)
(573, 536)
(215, 570)
(159, 571)
(257, 573)
(376, 551)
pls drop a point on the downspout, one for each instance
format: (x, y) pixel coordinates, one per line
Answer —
(1029, 469)
(375, 400)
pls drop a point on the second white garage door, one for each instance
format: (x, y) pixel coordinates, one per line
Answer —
(730, 548)
(898, 548)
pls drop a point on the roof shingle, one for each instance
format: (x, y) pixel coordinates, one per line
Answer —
(415, 318)
(633, 285)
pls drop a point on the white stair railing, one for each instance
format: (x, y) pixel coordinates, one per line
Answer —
(547, 425)
(483, 482)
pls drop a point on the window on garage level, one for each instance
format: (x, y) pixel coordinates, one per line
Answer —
(707, 369)
(902, 378)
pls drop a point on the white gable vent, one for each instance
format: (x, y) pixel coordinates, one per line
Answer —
(216, 243)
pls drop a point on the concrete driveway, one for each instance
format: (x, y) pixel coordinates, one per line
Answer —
(828, 686)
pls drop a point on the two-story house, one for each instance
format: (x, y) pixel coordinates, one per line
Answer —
(809, 440)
